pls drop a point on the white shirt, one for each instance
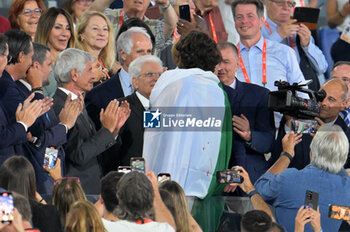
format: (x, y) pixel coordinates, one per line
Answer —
(66, 91)
(124, 225)
(144, 101)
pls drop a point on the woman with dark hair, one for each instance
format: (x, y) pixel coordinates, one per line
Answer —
(17, 175)
(24, 15)
(55, 30)
(65, 192)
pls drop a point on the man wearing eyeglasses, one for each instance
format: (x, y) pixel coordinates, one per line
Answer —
(281, 28)
(341, 71)
(145, 72)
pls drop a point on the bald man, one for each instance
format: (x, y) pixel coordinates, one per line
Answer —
(334, 102)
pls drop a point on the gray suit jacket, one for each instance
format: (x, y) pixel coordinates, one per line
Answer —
(83, 146)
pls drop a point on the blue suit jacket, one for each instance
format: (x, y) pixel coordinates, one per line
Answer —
(251, 101)
(101, 95)
(12, 136)
(51, 134)
(13, 94)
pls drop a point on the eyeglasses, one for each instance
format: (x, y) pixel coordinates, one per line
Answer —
(36, 12)
(151, 74)
(281, 3)
(66, 178)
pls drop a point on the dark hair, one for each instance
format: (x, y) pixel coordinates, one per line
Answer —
(168, 201)
(67, 5)
(136, 22)
(46, 23)
(18, 41)
(258, 3)
(64, 193)
(22, 205)
(197, 50)
(225, 44)
(256, 221)
(16, 8)
(40, 51)
(3, 44)
(278, 227)
(135, 195)
(17, 174)
(340, 63)
(109, 189)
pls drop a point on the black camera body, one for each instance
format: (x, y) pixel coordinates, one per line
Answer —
(286, 101)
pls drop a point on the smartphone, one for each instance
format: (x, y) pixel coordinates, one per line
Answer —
(184, 11)
(339, 212)
(304, 126)
(228, 176)
(124, 169)
(163, 177)
(307, 16)
(137, 164)
(50, 157)
(6, 207)
(311, 199)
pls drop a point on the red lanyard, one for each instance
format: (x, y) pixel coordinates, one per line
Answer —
(104, 67)
(213, 31)
(176, 35)
(244, 71)
(289, 38)
(121, 19)
(144, 221)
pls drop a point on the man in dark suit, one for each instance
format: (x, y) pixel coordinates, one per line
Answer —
(334, 102)
(119, 85)
(253, 123)
(144, 71)
(54, 129)
(74, 72)
(12, 136)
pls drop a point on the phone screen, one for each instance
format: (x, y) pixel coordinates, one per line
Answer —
(6, 207)
(339, 212)
(50, 157)
(163, 177)
(137, 164)
(124, 169)
(184, 11)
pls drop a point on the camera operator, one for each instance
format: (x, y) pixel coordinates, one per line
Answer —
(334, 102)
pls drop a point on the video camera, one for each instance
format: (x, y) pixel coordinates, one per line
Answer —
(286, 101)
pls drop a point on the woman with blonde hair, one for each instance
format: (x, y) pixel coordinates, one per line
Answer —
(183, 219)
(65, 192)
(55, 30)
(95, 35)
(83, 216)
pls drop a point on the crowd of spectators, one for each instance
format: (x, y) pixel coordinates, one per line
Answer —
(77, 83)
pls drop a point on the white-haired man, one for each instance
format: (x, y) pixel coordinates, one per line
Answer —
(285, 188)
(74, 74)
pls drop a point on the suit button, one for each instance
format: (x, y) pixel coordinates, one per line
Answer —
(109, 145)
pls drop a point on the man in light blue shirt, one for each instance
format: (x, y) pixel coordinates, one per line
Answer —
(281, 62)
(280, 28)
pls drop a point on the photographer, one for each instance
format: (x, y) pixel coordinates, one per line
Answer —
(334, 102)
(285, 188)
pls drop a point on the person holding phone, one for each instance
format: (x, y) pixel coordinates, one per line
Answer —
(280, 28)
(285, 188)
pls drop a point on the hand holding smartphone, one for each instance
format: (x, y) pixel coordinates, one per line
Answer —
(6, 207)
(184, 12)
(311, 199)
(137, 164)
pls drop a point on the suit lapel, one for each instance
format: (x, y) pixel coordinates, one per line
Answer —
(136, 105)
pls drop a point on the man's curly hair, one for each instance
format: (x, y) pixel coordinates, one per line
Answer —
(197, 50)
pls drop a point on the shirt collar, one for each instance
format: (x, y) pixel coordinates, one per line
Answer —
(233, 85)
(144, 101)
(66, 91)
(125, 77)
(331, 123)
(259, 44)
(26, 84)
